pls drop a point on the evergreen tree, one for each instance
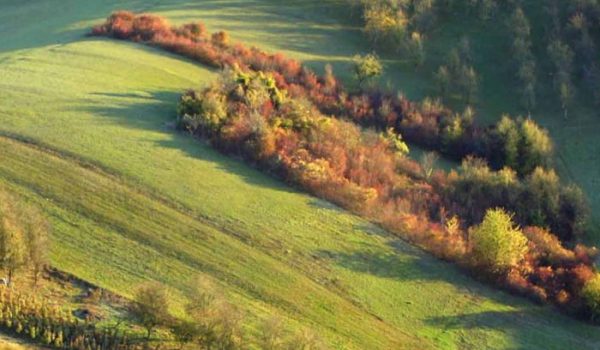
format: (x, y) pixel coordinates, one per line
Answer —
(561, 57)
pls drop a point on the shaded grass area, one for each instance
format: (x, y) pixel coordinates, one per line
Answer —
(132, 200)
(9, 343)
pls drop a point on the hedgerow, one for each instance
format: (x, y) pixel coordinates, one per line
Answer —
(428, 124)
(517, 144)
(368, 172)
(272, 110)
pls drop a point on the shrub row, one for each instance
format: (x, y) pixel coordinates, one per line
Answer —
(519, 144)
(427, 124)
(275, 120)
(246, 114)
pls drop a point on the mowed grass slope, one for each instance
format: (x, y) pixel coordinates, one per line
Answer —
(86, 134)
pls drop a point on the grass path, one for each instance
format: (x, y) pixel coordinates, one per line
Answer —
(131, 200)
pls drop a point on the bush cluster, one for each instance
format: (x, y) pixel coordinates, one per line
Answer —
(271, 111)
(428, 124)
(31, 317)
(246, 114)
(539, 199)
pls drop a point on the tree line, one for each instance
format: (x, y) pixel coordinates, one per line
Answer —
(28, 315)
(567, 48)
(468, 216)
(272, 111)
(428, 124)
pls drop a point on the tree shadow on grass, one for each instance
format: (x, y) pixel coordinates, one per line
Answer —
(303, 26)
(32, 24)
(155, 111)
(405, 263)
(233, 165)
(526, 325)
(318, 27)
(548, 333)
(486, 318)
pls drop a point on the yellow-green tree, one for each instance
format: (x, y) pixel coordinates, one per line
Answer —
(496, 243)
(151, 307)
(591, 296)
(366, 67)
(536, 148)
(37, 230)
(13, 247)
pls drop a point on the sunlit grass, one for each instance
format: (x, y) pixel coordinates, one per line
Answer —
(131, 199)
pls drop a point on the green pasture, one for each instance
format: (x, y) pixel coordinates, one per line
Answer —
(86, 133)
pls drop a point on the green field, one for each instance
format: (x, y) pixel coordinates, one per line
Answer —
(86, 134)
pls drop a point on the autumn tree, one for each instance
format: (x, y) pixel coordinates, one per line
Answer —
(443, 79)
(458, 76)
(428, 163)
(306, 339)
(185, 332)
(518, 25)
(591, 296)
(584, 44)
(423, 14)
(561, 57)
(510, 137)
(496, 243)
(384, 24)
(414, 47)
(523, 145)
(13, 240)
(37, 230)
(366, 67)
(469, 83)
(272, 334)
(536, 147)
(151, 306)
(218, 322)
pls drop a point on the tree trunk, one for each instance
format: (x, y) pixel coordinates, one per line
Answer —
(36, 276)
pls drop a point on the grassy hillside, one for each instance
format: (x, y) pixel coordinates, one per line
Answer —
(86, 135)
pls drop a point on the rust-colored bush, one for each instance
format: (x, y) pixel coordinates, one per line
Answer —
(547, 246)
(146, 26)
